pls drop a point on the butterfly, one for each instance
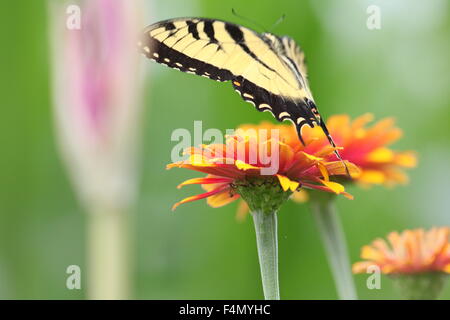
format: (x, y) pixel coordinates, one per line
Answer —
(267, 70)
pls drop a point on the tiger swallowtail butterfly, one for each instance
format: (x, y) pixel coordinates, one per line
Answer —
(268, 71)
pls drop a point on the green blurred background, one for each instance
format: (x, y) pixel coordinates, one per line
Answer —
(197, 252)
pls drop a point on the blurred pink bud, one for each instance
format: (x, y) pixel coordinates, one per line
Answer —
(97, 96)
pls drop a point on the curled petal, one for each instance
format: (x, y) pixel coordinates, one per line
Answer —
(334, 186)
(323, 171)
(287, 184)
(199, 196)
(222, 198)
(339, 168)
(327, 188)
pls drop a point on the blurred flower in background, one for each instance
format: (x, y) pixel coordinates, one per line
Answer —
(97, 97)
(418, 260)
(366, 147)
(412, 251)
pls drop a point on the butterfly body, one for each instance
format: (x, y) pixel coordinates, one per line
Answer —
(268, 71)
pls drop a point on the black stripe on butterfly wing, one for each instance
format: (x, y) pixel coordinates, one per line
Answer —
(192, 29)
(237, 35)
(169, 26)
(163, 54)
(208, 29)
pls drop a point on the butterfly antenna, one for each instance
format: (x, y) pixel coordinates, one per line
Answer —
(330, 139)
(280, 20)
(248, 20)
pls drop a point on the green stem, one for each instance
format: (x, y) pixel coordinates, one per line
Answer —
(333, 239)
(267, 242)
(264, 197)
(108, 254)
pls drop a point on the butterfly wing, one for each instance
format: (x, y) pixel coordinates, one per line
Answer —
(184, 45)
(223, 51)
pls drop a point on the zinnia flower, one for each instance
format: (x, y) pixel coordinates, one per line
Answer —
(240, 162)
(417, 261)
(410, 252)
(364, 146)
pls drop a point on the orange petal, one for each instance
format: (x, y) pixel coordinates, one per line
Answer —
(406, 159)
(372, 177)
(199, 160)
(222, 198)
(324, 188)
(312, 134)
(303, 161)
(361, 267)
(323, 171)
(223, 170)
(334, 186)
(311, 157)
(241, 165)
(338, 168)
(382, 155)
(395, 176)
(300, 196)
(361, 121)
(347, 195)
(242, 210)
(447, 268)
(339, 125)
(327, 150)
(203, 181)
(199, 196)
(286, 155)
(370, 253)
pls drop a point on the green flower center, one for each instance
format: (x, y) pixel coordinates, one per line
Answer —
(262, 194)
